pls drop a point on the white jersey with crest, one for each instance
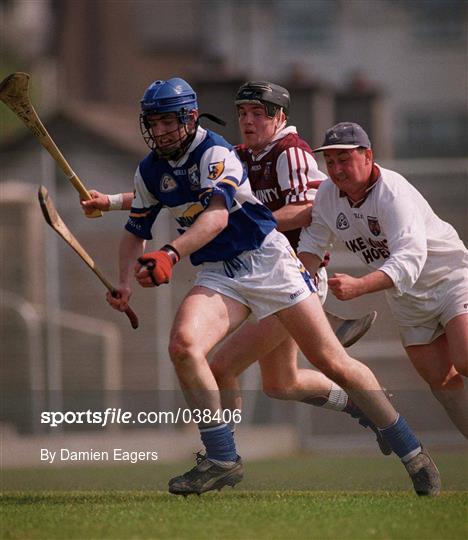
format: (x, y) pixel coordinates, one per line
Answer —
(396, 231)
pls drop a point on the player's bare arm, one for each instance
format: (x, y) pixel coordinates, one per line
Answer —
(346, 287)
(155, 268)
(208, 225)
(131, 247)
(106, 202)
(294, 216)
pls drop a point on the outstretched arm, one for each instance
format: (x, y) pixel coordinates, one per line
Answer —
(294, 216)
(346, 287)
(105, 202)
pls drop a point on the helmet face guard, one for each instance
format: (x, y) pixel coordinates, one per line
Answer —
(179, 148)
(172, 96)
(270, 95)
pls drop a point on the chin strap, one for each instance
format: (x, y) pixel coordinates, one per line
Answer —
(213, 118)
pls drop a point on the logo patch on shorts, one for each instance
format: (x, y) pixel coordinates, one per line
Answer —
(295, 294)
(342, 222)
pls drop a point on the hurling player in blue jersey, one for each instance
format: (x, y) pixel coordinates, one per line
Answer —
(246, 266)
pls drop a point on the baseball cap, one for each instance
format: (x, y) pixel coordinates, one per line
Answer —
(344, 135)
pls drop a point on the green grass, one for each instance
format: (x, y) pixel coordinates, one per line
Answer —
(231, 515)
(333, 498)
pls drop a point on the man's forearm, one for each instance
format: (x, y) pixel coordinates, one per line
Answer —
(131, 247)
(346, 287)
(121, 201)
(375, 281)
(293, 216)
(127, 200)
(207, 226)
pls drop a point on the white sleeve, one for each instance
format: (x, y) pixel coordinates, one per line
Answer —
(317, 238)
(143, 198)
(219, 164)
(298, 173)
(403, 221)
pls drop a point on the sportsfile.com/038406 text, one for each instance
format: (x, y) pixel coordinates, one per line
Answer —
(118, 416)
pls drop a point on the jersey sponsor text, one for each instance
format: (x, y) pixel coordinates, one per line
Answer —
(371, 250)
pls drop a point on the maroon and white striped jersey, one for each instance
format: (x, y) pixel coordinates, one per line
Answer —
(284, 172)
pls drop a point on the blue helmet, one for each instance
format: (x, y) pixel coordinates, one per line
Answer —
(173, 95)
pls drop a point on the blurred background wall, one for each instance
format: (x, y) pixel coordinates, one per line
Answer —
(398, 67)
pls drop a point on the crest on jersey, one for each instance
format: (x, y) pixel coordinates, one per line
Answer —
(168, 183)
(342, 222)
(215, 169)
(194, 177)
(374, 225)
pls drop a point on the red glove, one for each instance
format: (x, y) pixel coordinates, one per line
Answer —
(159, 266)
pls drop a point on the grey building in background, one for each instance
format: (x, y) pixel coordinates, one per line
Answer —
(399, 66)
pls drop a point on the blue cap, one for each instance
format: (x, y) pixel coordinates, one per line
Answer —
(344, 135)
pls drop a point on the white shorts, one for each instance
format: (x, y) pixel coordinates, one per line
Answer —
(266, 279)
(448, 300)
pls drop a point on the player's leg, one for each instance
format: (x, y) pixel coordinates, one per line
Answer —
(456, 331)
(307, 323)
(434, 363)
(269, 342)
(283, 379)
(203, 319)
(240, 350)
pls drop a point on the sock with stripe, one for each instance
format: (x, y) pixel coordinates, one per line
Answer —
(336, 399)
(219, 442)
(401, 438)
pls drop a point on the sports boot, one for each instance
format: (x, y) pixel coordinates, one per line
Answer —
(206, 476)
(424, 474)
(351, 330)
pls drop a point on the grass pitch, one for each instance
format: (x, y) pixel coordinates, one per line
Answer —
(303, 497)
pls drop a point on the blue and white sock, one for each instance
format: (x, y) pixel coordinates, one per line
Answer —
(219, 443)
(401, 438)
